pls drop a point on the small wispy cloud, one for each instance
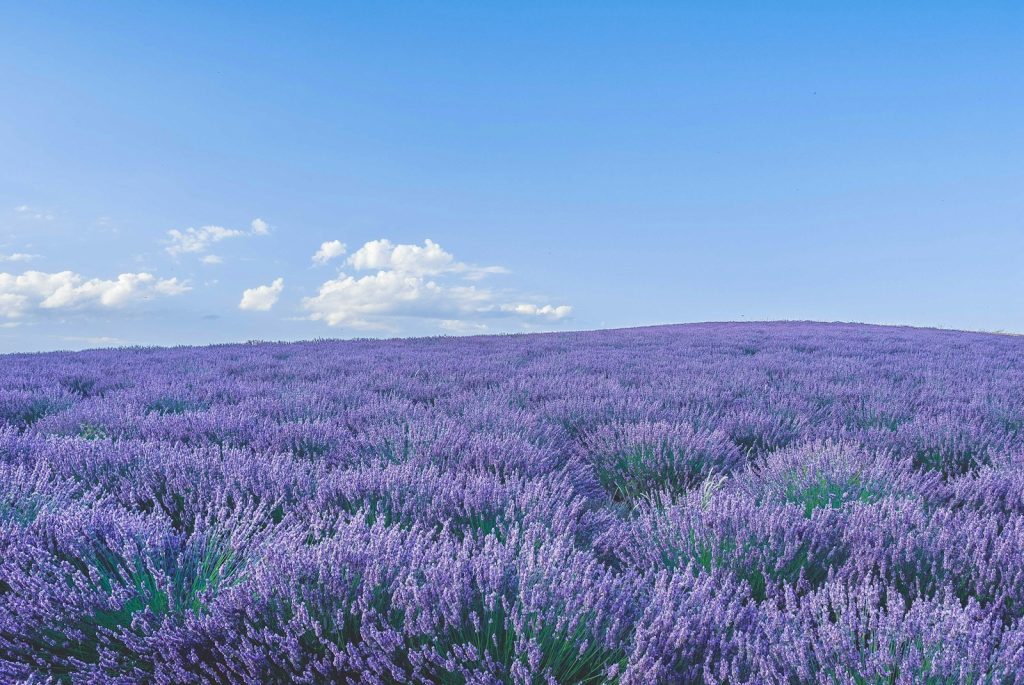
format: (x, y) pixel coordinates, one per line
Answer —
(17, 257)
(199, 240)
(96, 340)
(33, 213)
(464, 327)
(546, 310)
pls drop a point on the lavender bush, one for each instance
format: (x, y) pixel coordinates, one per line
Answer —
(719, 503)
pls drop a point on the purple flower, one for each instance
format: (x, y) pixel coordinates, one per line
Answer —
(713, 503)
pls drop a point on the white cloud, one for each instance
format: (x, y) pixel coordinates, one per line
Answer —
(329, 249)
(17, 257)
(96, 340)
(262, 298)
(546, 311)
(427, 259)
(32, 290)
(464, 327)
(193, 240)
(171, 286)
(358, 301)
(34, 213)
(199, 240)
(212, 259)
(416, 281)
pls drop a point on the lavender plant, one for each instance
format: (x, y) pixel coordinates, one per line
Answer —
(716, 503)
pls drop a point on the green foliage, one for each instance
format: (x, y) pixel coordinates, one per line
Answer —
(826, 492)
(951, 463)
(651, 469)
(91, 432)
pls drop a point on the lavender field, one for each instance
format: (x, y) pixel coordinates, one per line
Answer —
(715, 503)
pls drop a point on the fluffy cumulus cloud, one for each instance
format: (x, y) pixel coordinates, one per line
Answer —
(429, 259)
(198, 241)
(262, 298)
(418, 281)
(421, 260)
(329, 249)
(23, 294)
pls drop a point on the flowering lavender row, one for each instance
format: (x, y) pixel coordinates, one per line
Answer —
(719, 503)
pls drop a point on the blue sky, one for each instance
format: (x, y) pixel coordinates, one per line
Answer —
(572, 165)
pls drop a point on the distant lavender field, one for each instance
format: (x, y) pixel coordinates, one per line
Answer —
(720, 503)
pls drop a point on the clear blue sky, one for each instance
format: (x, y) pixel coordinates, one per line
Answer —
(575, 165)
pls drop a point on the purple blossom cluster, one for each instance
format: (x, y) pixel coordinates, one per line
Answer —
(715, 503)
